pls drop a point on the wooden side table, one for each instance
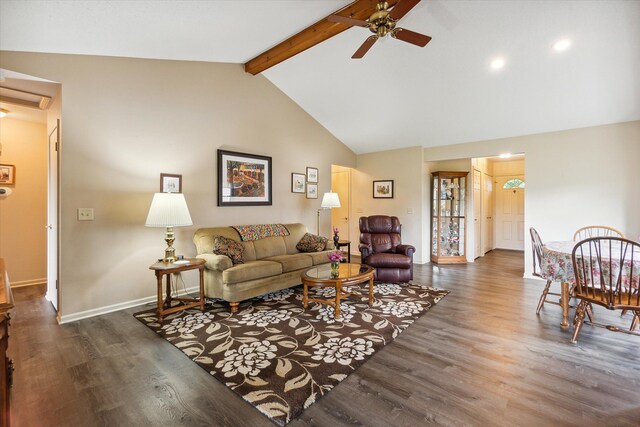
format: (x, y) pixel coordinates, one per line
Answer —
(167, 269)
(346, 243)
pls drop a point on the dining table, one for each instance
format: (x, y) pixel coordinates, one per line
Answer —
(556, 265)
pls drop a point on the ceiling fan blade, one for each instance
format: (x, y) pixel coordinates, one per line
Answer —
(365, 47)
(411, 37)
(347, 20)
(402, 8)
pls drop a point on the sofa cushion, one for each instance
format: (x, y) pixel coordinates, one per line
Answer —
(318, 258)
(251, 270)
(312, 243)
(270, 246)
(292, 262)
(228, 247)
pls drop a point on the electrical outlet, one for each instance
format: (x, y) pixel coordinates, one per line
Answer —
(85, 214)
(359, 210)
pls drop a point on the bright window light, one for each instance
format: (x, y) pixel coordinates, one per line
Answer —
(505, 155)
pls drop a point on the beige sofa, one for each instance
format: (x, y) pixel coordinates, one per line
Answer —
(270, 264)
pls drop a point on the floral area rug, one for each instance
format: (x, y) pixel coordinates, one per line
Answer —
(282, 358)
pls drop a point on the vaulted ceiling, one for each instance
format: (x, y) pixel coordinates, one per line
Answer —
(398, 95)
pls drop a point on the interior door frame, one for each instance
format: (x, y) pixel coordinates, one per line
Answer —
(53, 283)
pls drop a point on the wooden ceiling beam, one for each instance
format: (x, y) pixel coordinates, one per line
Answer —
(311, 36)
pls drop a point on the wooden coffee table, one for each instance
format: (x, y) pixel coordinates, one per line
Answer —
(348, 275)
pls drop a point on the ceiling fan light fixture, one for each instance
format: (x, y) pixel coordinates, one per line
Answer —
(498, 63)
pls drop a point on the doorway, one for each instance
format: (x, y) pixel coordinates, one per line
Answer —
(510, 212)
(32, 219)
(341, 184)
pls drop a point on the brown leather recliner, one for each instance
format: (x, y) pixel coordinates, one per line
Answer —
(381, 248)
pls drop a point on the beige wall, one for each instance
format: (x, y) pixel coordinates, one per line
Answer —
(512, 167)
(127, 120)
(405, 167)
(23, 214)
(574, 178)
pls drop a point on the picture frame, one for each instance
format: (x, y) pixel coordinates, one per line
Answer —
(312, 175)
(383, 189)
(170, 183)
(298, 183)
(244, 179)
(7, 174)
(312, 191)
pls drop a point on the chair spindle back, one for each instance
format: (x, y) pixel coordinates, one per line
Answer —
(607, 271)
(595, 231)
(536, 246)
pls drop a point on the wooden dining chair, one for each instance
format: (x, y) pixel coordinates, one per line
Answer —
(536, 244)
(607, 273)
(595, 231)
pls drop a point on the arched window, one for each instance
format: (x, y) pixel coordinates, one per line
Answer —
(514, 183)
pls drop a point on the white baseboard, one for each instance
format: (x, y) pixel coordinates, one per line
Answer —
(32, 282)
(120, 306)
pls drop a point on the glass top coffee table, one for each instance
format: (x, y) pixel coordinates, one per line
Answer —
(348, 275)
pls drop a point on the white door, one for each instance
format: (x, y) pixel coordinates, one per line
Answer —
(341, 183)
(509, 214)
(477, 212)
(487, 213)
(52, 217)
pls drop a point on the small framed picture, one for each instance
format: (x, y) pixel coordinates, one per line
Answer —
(7, 174)
(312, 175)
(297, 183)
(170, 183)
(312, 191)
(383, 189)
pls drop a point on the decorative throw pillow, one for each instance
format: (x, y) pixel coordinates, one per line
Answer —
(312, 243)
(228, 247)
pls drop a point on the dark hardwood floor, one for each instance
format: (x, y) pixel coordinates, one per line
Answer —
(481, 357)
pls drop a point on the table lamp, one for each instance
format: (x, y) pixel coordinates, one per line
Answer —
(329, 201)
(168, 210)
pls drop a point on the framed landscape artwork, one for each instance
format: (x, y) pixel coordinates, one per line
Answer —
(243, 179)
(297, 183)
(312, 175)
(383, 189)
(7, 174)
(312, 191)
(170, 183)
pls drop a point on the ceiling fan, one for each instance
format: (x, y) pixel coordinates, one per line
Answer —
(383, 22)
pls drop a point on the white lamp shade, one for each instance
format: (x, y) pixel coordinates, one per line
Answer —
(168, 210)
(330, 200)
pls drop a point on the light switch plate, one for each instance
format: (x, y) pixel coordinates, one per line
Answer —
(409, 211)
(85, 214)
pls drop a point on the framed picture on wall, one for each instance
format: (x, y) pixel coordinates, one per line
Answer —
(7, 174)
(243, 179)
(312, 175)
(383, 189)
(170, 183)
(297, 183)
(312, 191)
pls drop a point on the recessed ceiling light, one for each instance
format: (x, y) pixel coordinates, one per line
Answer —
(498, 63)
(3, 112)
(561, 45)
(505, 155)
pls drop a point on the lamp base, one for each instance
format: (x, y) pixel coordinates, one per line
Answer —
(169, 252)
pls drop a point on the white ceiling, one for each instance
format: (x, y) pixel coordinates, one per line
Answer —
(399, 95)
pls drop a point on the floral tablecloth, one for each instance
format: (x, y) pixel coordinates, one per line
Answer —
(556, 263)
